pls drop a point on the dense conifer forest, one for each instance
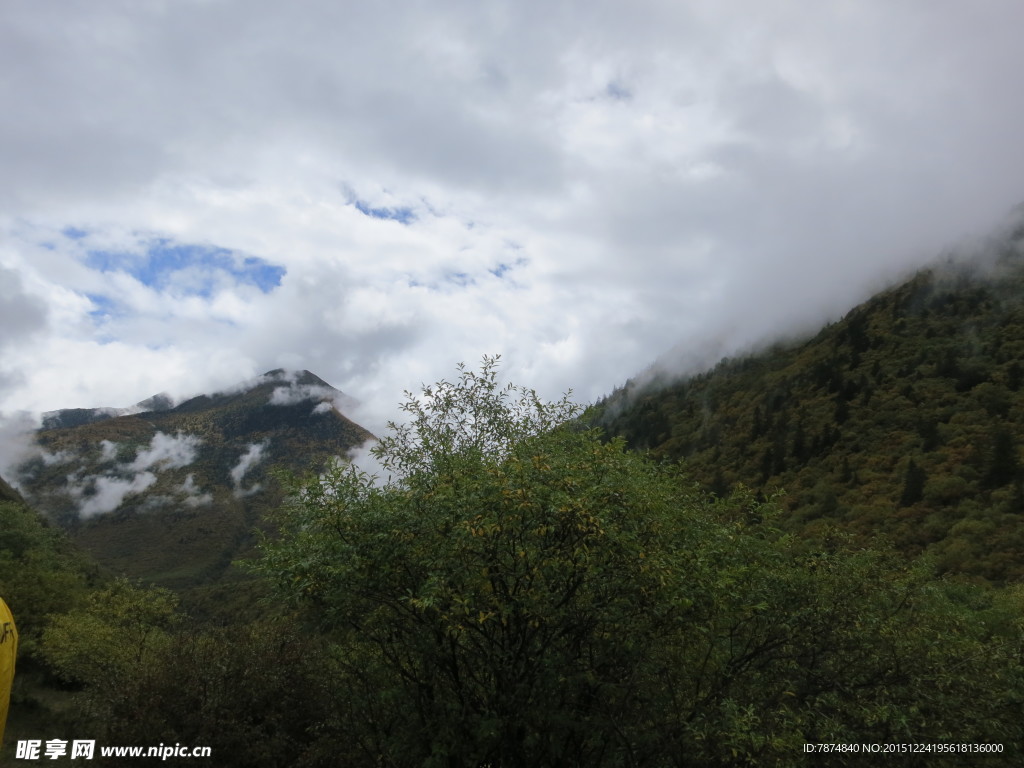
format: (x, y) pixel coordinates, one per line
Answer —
(904, 420)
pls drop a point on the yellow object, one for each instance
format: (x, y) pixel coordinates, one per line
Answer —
(8, 653)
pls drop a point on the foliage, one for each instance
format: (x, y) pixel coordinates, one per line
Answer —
(523, 593)
(471, 418)
(118, 632)
(252, 692)
(41, 573)
(903, 418)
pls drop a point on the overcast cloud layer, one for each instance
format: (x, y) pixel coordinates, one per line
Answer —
(194, 192)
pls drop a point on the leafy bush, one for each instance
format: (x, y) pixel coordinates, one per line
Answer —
(519, 592)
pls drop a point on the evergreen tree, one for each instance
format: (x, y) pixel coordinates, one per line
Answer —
(913, 485)
(842, 410)
(845, 473)
(800, 452)
(1014, 376)
(1004, 465)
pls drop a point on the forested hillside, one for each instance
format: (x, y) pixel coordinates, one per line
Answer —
(42, 574)
(904, 419)
(173, 495)
(523, 592)
(7, 493)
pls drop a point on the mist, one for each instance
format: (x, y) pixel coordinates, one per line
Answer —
(252, 456)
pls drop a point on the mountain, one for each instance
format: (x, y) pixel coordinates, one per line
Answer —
(904, 420)
(76, 417)
(7, 493)
(172, 494)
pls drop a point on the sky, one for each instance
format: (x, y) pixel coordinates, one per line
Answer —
(195, 192)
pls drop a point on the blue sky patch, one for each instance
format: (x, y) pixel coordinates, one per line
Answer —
(189, 269)
(103, 306)
(73, 233)
(103, 310)
(504, 267)
(403, 215)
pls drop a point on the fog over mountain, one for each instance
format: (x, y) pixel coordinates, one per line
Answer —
(95, 459)
(196, 192)
(174, 493)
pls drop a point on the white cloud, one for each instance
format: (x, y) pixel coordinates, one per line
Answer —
(98, 494)
(57, 457)
(22, 315)
(249, 459)
(327, 399)
(17, 443)
(110, 492)
(166, 452)
(194, 497)
(581, 195)
(362, 458)
(299, 393)
(109, 450)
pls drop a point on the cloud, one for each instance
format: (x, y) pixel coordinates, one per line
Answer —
(22, 315)
(97, 494)
(107, 493)
(300, 393)
(108, 450)
(293, 393)
(17, 443)
(325, 397)
(249, 459)
(194, 193)
(58, 457)
(194, 497)
(166, 452)
(362, 458)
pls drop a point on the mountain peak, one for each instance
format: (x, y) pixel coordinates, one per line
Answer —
(294, 386)
(163, 491)
(303, 377)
